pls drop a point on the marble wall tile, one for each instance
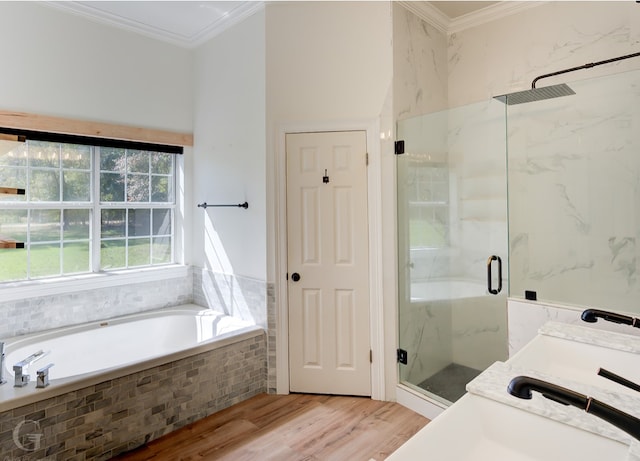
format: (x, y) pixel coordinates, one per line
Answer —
(525, 318)
(30, 315)
(420, 59)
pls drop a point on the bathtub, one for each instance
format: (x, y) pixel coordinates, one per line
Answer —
(91, 353)
(440, 290)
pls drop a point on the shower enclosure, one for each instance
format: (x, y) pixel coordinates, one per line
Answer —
(573, 181)
(452, 234)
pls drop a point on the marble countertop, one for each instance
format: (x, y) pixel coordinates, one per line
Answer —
(588, 335)
(493, 382)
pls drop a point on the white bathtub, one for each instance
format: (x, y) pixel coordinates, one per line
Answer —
(437, 290)
(87, 354)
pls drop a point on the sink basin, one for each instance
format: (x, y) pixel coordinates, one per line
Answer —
(476, 428)
(578, 362)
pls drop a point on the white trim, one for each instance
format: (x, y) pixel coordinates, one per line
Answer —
(417, 402)
(491, 13)
(69, 284)
(195, 39)
(444, 24)
(374, 200)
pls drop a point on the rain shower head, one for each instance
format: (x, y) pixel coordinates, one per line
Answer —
(555, 91)
(536, 94)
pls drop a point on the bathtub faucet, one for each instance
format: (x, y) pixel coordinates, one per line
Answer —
(2, 380)
(20, 368)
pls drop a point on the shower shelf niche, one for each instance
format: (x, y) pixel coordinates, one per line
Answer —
(7, 243)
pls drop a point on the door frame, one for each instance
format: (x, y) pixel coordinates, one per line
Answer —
(374, 207)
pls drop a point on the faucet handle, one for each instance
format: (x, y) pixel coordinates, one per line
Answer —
(21, 380)
(42, 378)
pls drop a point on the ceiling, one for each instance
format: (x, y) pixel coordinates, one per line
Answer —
(455, 9)
(191, 23)
(183, 23)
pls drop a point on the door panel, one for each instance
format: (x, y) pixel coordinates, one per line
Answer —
(328, 246)
(452, 217)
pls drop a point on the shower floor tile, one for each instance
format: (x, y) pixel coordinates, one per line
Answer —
(450, 382)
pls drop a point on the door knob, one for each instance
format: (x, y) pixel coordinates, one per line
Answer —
(295, 276)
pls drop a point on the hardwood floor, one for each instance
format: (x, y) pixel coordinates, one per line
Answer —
(293, 427)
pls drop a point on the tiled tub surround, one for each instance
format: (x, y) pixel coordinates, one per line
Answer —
(243, 297)
(107, 413)
(29, 313)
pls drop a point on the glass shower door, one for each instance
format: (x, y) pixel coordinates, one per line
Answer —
(452, 235)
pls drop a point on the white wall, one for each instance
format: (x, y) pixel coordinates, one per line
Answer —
(229, 161)
(59, 64)
(329, 64)
(56, 63)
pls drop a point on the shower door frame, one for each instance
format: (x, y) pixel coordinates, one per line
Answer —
(475, 264)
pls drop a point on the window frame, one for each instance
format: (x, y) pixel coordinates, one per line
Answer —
(95, 206)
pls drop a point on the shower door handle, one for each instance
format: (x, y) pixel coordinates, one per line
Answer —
(490, 261)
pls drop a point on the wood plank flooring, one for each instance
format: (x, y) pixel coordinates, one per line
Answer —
(293, 427)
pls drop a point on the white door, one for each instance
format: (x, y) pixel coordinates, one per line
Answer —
(328, 263)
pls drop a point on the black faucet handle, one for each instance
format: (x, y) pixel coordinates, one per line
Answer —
(592, 315)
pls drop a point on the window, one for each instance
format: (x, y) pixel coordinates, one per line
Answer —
(86, 209)
(428, 196)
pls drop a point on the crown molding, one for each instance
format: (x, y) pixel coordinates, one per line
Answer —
(491, 13)
(238, 14)
(426, 11)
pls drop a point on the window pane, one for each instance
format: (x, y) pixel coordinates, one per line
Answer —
(76, 157)
(44, 154)
(161, 250)
(45, 225)
(75, 257)
(44, 260)
(44, 185)
(13, 265)
(162, 222)
(76, 186)
(112, 223)
(76, 224)
(137, 188)
(162, 164)
(13, 224)
(139, 222)
(111, 187)
(15, 157)
(139, 252)
(112, 254)
(160, 189)
(112, 159)
(13, 177)
(137, 161)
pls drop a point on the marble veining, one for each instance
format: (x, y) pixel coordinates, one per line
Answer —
(587, 335)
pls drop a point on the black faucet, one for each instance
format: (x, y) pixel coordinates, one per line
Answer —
(521, 387)
(592, 315)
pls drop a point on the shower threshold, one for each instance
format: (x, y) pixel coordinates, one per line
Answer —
(450, 382)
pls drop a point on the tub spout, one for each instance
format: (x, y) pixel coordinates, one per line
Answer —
(2, 380)
(20, 368)
(521, 387)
